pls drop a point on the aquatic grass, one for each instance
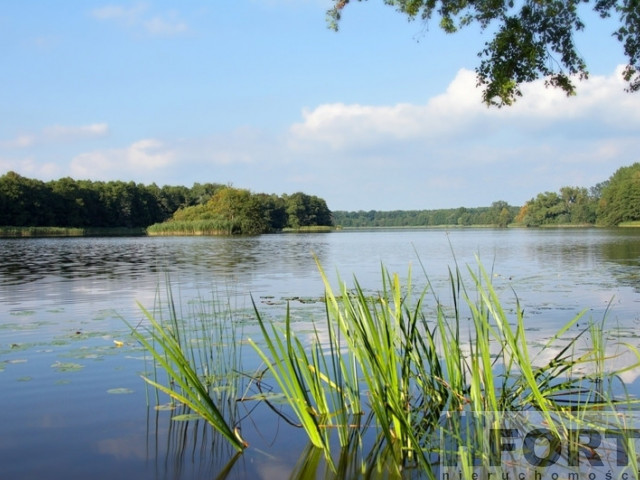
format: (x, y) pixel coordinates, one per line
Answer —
(165, 347)
(412, 379)
(19, 232)
(415, 367)
(189, 227)
(295, 373)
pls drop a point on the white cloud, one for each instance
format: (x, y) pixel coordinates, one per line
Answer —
(238, 148)
(449, 151)
(459, 112)
(21, 141)
(138, 16)
(169, 25)
(57, 133)
(142, 158)
(72, 132)
(127, 16)
(454, 150)
(29, 167)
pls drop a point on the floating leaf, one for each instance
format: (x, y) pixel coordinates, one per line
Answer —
(271, 397)
(67, 367)
(166, 407)
(119, 391)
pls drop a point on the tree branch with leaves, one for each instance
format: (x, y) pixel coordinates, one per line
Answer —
(531, 39)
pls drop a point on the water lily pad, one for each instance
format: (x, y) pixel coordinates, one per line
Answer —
(25, 379)
(119, 391)
(166, 407)
(67, 366)
(83, 354)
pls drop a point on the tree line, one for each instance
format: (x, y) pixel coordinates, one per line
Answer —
(500, 213)
(609, 203)
(26, 202)
(217, 208)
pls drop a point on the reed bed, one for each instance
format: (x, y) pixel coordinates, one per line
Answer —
(387, 374)
(188, 227)
(20, 232)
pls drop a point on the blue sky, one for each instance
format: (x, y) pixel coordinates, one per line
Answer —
(260, 94)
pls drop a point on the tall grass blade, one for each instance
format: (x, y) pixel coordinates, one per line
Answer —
(168, 353)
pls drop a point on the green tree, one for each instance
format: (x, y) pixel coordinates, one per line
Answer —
(68, 203)
(580, 205)
(547, 208)
(573, 205)
(620, 198)
(274, 211)
(239, 209)
(171, 198)
(306, 210)
(24, 202)
(531, 39)
(201, 193)
(499, 214)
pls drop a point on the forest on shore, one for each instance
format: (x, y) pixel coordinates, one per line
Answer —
(612, 202)
(113, 205)
(212, 208)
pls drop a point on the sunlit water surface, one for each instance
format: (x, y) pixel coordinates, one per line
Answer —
(73, 403)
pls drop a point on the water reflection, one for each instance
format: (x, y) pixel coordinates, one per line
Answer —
(30, 260)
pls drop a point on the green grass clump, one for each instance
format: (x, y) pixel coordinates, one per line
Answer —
(201, 378)
(395, 370)
(189, 227)
(384, 357)
(19, 232)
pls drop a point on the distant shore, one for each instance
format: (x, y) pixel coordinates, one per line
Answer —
(44, 232)
(33, 232)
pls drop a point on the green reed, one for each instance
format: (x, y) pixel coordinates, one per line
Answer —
(13, 232)
(409, 364)
(201, 365)
(189, 227)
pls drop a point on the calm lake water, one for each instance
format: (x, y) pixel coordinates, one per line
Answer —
(73, 403)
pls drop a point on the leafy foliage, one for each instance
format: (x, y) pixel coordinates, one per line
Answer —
(238, 211)
(572, 206)
(500, 214)
(393, 372)
(608, 203)
(83, 203)
(70, 203)
(620, 200)
(531, 39)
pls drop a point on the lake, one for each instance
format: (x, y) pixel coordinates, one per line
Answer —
(73, 403)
